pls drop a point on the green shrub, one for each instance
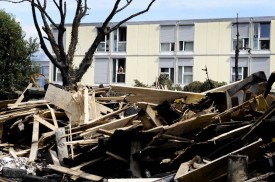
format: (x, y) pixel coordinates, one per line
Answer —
(198, 86)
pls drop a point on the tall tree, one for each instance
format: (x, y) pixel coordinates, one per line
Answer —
(15, 51)
(64, 60)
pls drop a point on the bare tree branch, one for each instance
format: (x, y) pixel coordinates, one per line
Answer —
(111, 15)
(132, 16)
(42, 43)
(125, 6)
(79, 14)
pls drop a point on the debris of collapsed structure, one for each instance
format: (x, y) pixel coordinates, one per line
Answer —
(145, 135)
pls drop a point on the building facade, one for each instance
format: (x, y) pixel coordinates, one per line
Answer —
(179, 49)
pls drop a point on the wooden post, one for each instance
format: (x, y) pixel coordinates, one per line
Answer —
(237, 168)
(62, 149)
(35, 137)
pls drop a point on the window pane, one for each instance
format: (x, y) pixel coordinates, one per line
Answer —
(188, 79)
(180, 45)
(121, 46)
(172, 74)
(255, 43)
(235, 43)
(265, 30)
(246, 45)
(59, 77)
(101, 47)
(264, 44)
(240, 70)
(46, 70)
(122, 34)
(115, 40)
(188, 69)
(180, 75)
(165, 47)
(172, 46)
(188, 46)
(114, 70)
(164, 70)
(245, 72)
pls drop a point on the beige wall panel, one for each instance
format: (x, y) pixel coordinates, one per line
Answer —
(143, 39)
(200, 46)
(145, 69)
(213, 38)
(132, 34)
(86, 37)
(225, 42)
(272, 63)
(218, 68)
(272, 38)
(88, 77)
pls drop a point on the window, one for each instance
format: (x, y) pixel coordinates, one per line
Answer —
(167, 38)
(243, 43)
(243, 30)
(185, 75)
(186, 37)
(169, 72)
(186, 46)
(120, 39)
(261, 36)
(119, 69)
(242, 73)
(57, 75)
(103, 46)
(165, 47)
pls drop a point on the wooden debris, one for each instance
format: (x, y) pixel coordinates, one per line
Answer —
(138, 94)
(35, 137)
(62, 149)
(145, 135)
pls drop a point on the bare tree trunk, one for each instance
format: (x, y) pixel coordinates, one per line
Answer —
(62, 60)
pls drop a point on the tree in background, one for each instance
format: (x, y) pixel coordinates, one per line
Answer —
(15, 64)
(63, 60)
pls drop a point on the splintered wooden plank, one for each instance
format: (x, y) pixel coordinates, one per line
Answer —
(189, 125)
(91, 108)
(77, 173)
(44, 122)
(28, 104)
(205, 173)
(12, 152)
(101, 109)
(54, 158)
(62, 149)
(110, 126)
(151, 113)
(59, 97)
(86, 105)
(34, 146)
(107, 115)
(53, 116)
(22, 95)
(110, 98)
(156, 96)
(4, 117)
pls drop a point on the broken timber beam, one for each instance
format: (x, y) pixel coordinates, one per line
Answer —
(205, 173)
(156, 96)
(35, 137)
(77, 173)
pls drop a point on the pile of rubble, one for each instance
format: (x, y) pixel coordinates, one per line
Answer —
(142, 135)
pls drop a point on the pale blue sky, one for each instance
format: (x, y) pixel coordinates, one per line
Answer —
(161, 10)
